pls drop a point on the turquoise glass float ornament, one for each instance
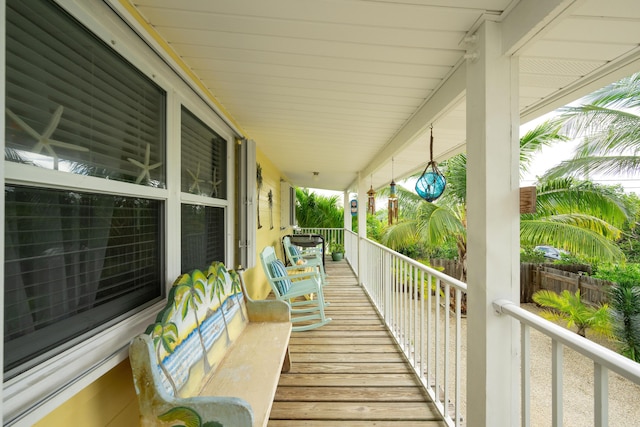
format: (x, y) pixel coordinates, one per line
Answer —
(431, 183)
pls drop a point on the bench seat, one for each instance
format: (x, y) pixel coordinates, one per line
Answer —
(260, 345)
(213, 357)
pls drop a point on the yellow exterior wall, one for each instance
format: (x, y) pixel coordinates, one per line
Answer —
(108, 402)
(254, 278)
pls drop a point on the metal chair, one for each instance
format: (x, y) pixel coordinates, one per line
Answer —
(302, 290)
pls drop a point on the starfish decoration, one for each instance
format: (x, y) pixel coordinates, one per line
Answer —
(44, 139)
(145, 167)
(196, 179)
(215, 183)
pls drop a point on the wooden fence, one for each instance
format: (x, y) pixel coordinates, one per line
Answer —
(554, 277)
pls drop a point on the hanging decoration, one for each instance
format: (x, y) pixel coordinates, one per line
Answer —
(432, 182)
(393, 200)
(354, 207)
(371, 205)
(259, 184)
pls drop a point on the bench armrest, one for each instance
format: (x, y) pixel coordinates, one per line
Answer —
(268, 311)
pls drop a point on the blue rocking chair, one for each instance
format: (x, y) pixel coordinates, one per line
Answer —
(310, 257)
(302, 290)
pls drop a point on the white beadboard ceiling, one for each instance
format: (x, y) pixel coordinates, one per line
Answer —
(342, 86)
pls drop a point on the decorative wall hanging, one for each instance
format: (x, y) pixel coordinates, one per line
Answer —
(431, 183)
(195, 184)
(259, 183)
(270, 198)
(371, 203)
(393, 199)
(354, 207)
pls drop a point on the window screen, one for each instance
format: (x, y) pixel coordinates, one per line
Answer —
(203, 237)
(74, 104)
(73, 261)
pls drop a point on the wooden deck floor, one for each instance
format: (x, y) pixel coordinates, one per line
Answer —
(349, 372)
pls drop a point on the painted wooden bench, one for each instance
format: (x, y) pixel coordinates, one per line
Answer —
(213, 357)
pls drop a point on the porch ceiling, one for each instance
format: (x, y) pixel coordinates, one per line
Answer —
(341, 86)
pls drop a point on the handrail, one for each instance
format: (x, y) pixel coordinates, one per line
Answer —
(601, 355)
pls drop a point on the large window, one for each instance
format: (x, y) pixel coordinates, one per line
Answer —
(204, 174)
(77, 258)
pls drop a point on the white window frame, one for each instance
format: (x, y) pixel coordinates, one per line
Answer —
(30, 396)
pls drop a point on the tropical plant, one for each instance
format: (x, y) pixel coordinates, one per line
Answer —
(609, 125)
(625, 312)
(315, 210)
(569, 308)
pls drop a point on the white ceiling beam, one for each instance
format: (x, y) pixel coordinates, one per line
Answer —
(530, 19)
(442, 100)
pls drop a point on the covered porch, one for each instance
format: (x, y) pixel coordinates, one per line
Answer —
(350, 372)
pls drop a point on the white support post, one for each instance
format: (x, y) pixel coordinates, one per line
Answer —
(492, 231)
(362, 226)
(347, 211)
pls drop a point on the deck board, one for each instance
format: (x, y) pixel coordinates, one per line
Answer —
(349, 372)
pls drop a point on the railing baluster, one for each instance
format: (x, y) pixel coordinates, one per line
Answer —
(429, 333)
(421, 347)
(556, 383)
(458, 355)
(437, 344)
(600, 395)
(447, 346)
(525, 358)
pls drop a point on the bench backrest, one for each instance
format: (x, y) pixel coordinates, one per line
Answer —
(205, 313)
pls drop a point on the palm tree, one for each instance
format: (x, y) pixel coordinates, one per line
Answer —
(569, 308)
(578, 216)
(314, 210)
(236, 288)
(609, 125)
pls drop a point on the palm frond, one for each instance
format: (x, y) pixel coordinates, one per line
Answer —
(569, 237)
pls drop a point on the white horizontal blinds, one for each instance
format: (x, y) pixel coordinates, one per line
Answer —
(204, 158)
(74, 261)
(202, 236)
(101, 113)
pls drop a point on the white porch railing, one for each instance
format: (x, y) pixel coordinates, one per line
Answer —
(604, 360)
(330, 235)
(422, 309)
(427, 327)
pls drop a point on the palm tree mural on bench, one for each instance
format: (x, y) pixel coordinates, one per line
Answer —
(236, 289)
(192, 294)
(216, 279)
(165, 336)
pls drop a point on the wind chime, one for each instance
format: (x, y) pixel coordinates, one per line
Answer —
(393, 199)
(371, 202)
(431, 183)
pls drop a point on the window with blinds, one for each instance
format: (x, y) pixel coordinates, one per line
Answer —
(204, 158)
(73, 104)
(76, 261)
(202, 236)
